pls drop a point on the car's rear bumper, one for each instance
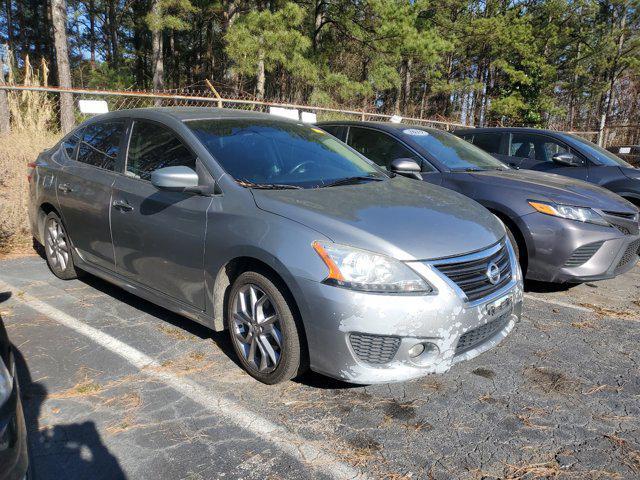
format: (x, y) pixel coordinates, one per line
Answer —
(565, 251)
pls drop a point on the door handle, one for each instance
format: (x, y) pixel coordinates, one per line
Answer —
(64, 188)
(122, 205)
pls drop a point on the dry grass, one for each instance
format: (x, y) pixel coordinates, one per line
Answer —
(16, 150)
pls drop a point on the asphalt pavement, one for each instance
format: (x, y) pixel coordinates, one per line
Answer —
(115, 387)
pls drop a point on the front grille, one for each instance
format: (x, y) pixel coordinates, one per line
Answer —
(471, 276)
(480, 334)
(374, 348)
(630, 255)
(582, 255)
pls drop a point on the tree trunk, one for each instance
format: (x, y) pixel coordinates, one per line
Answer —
(10, 26)
(59, 19)
(318, 23)
(92, 33)
(406, 94)
(156, 51)
(260, 77)
(113, 33)
(5, 124)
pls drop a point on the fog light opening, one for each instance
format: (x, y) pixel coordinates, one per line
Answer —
(416, 350)
(423, 352)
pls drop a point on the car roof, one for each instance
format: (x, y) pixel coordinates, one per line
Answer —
(190, 113)
(506, 129)
(386, 126)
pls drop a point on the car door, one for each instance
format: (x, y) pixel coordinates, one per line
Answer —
(535, 152)
(84, 191)
(158, 235)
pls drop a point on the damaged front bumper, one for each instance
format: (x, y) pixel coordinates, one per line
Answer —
(372, 338)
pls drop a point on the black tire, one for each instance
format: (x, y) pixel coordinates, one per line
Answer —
(57, 248)
(290, 348)
(514, 242)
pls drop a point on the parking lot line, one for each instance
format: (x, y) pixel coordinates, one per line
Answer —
(288, 442)
(558, 303)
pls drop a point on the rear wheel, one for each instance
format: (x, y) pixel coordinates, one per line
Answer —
(263, 329)
(57, 248)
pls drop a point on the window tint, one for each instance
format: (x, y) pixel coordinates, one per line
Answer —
(598, 154)
(378, 146)
(69, 144)
(489, 142)
(538, 147)
(101, 144)
(279, 152)
(332, 129)
(153, 146)
(522, 146)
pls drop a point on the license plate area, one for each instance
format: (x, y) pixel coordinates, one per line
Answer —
(498, 308)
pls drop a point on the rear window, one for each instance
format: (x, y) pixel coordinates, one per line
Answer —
(100, 144)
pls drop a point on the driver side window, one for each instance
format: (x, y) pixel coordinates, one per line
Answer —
(378, 146)
(153, 146)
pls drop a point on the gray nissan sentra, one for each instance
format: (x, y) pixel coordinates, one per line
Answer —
(310, 254)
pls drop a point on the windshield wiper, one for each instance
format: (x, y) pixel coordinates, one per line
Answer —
(351, 181)
(267, 186)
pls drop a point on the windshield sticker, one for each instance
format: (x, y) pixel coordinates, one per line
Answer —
(317, 130)
(416, 132)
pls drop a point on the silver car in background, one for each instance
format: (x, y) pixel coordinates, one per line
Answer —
(310, 254)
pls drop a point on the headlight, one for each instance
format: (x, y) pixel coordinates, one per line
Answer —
(6, 383)
(368, 272)
(581, 214)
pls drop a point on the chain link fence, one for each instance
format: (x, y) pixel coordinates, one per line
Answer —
(40, 106)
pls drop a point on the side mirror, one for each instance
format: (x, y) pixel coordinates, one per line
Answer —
(176, 179)
(567, 159)
(407, 167)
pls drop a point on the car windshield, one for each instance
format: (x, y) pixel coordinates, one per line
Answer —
(601, 155)
(453, 152)
(268, 153)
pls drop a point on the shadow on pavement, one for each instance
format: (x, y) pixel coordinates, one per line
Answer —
(62, 451)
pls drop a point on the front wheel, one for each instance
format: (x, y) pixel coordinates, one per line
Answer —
(263, 329)
(57, 248)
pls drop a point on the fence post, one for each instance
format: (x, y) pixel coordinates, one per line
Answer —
(5, 121)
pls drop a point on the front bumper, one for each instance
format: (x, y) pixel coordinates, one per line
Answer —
(334, 314)
(552, 243)
(13, 437)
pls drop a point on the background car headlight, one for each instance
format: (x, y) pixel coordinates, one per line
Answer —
(581, 214)
(368, 272)
(6, 383)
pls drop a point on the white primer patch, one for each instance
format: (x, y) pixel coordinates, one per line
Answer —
(288, 442)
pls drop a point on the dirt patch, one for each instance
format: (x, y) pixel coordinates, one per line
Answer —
(611, 312)
(484, 373)
(400, 411)
(550, 381)
(172, 332)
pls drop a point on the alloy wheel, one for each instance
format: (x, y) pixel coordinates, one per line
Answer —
(256, 329)
(57, 245)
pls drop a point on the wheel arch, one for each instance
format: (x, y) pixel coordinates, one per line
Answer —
(45, 209)
(517, 233)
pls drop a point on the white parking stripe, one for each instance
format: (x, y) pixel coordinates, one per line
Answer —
(291, 444)
(558, 303)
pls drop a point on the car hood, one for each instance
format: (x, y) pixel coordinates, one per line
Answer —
(631, 172)
(555, 188)
(402, 218)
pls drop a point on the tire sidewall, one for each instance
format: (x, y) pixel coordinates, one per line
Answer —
(70, 271)
(290, 356)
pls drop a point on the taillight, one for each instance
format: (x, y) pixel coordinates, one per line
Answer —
(31, 167)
